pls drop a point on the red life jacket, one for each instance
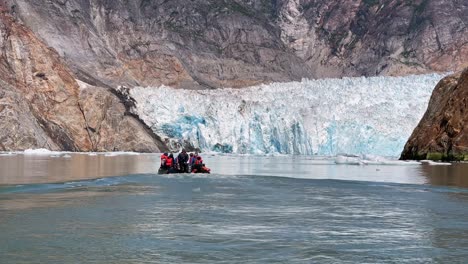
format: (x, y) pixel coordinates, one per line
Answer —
(163, 159)
(169, 162)
(198, 161)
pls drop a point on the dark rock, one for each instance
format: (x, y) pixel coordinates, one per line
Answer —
(443, 130)
(41, 75)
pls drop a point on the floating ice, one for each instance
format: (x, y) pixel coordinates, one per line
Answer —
(63, 155)
(322, 117)
(348, 160)
(434, 163)
(41, 151)
(120, 153)
(371, 160)
(3, 154)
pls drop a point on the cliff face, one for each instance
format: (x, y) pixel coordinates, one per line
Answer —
(372, 37)
(46, 46)
(442, 133)
(177, 43)
(236, 43)
(41, 104)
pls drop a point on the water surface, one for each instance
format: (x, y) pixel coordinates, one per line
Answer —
(251, 209)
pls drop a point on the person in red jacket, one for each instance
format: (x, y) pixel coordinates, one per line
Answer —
(164, 158)
(170, 161)
(199, 167)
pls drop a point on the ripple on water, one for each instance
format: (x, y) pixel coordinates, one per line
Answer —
(231, 219)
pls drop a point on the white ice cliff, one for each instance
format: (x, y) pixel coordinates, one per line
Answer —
(323, 117)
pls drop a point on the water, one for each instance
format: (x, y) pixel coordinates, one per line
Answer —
(251, 209)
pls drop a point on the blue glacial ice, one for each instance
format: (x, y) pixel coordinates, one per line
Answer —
(321, 117)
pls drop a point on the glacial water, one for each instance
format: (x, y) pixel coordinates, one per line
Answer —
(65, 208)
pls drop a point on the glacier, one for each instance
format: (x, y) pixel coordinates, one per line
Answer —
(358, 116)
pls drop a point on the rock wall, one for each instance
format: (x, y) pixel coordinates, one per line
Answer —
(375, 37)
(442, 133)
(238, 43)
(42, 105)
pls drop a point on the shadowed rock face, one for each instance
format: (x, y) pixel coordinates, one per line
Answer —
(42, 105)
(442, 133)
(237, 43)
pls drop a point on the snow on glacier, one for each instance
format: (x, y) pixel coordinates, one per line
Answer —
(322, 117)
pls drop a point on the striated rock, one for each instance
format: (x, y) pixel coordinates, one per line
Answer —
(442, 133)
(372, 37)
(238, 43)
(19, 129)
(42, 106)
(111, 126)
(188, 44)
(48, 88)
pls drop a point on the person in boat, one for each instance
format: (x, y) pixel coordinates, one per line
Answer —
(195, 157)
(190, 162)
(164, 161)
(182, 160)
(191, 157)
(170, 164)
(176, 164)
(164, 168)
(199, 167)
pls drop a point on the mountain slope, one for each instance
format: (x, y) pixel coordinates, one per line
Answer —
(43, 106)
(235, 43)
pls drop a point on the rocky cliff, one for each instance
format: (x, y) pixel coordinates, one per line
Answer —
(442, 133)
(42, 105)
(237, 43)
(62, 60)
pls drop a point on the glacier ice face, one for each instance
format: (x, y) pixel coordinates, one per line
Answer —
(322, 117)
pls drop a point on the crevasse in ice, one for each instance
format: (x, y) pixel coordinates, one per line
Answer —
(323, 117)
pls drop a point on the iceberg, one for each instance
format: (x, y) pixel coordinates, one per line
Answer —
(435, 163)
(355, 116)
(4, 154)
(121, 153)
(40, 151)
(372, 160)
